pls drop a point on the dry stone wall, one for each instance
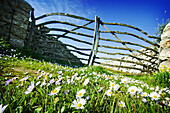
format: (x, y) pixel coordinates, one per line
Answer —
(165, 48)
(51, 48)
(14, 19)
(14, 27)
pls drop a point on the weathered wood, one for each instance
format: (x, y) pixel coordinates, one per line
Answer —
(115, 36)
(95, 44)
(78, 27)
(130, 26)
(94, 41)
(97, 40)
(131, 55)
(118, 32)
(149, 48)
(61, 22)
(82, 49)
(30, 38)
(127, 49)
(128, 61)
(70, 38)
(79, 52)
(64, 14)
(67, 31)
(127, 67)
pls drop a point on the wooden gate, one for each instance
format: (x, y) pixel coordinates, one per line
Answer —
(95, 43)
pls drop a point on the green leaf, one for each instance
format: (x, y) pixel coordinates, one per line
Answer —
(62, 109)
(19, 109)
(37, 110)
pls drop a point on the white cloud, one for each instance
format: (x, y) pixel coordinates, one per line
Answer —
(76, 7)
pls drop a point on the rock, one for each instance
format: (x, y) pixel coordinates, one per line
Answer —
(45, 30)
(166, 32)
(165, 43)
(165, 54)
(165, 64)
(19, 43)
(14, 19)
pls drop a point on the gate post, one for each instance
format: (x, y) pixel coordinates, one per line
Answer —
(94, 41)
(32, 28)
(97, 42)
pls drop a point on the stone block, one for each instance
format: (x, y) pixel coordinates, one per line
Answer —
(165, 64)
(166, 32)
(18, 31)
(165, 43)
(165, 54)
(19, 43)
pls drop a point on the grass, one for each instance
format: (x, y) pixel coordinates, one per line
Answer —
(30, 85)
(98, 95)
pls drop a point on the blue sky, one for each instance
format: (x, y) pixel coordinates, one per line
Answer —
(140, 13)
(144, 14)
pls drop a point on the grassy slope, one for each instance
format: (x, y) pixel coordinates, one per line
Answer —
(12, 67)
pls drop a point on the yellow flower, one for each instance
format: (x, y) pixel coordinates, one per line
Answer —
(55, 79)
(162, 70)
(163, 66)
(163, 95)
(46, 76)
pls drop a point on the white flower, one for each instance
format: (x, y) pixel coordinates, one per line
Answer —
(101, 88)
(154, 96)
(124, 80)
(144, 94)
(39, 71)
(39, 77)
(139, 90)
(52, 81)
(80, 93)
(144, 100)
(109, 92)
(78, 78)
(157, 88)
(167, 98)
(55, 91)
(43, 83)
(25, 78)
(60, 72)
(30, 88)
(133, 90)
(87, 98)
(2, 108)
(116, 87)
(112, 84)
(50, 75)
(79, 104)
(151, 88)
(37, 83)
(121, 104)
(86, 82)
